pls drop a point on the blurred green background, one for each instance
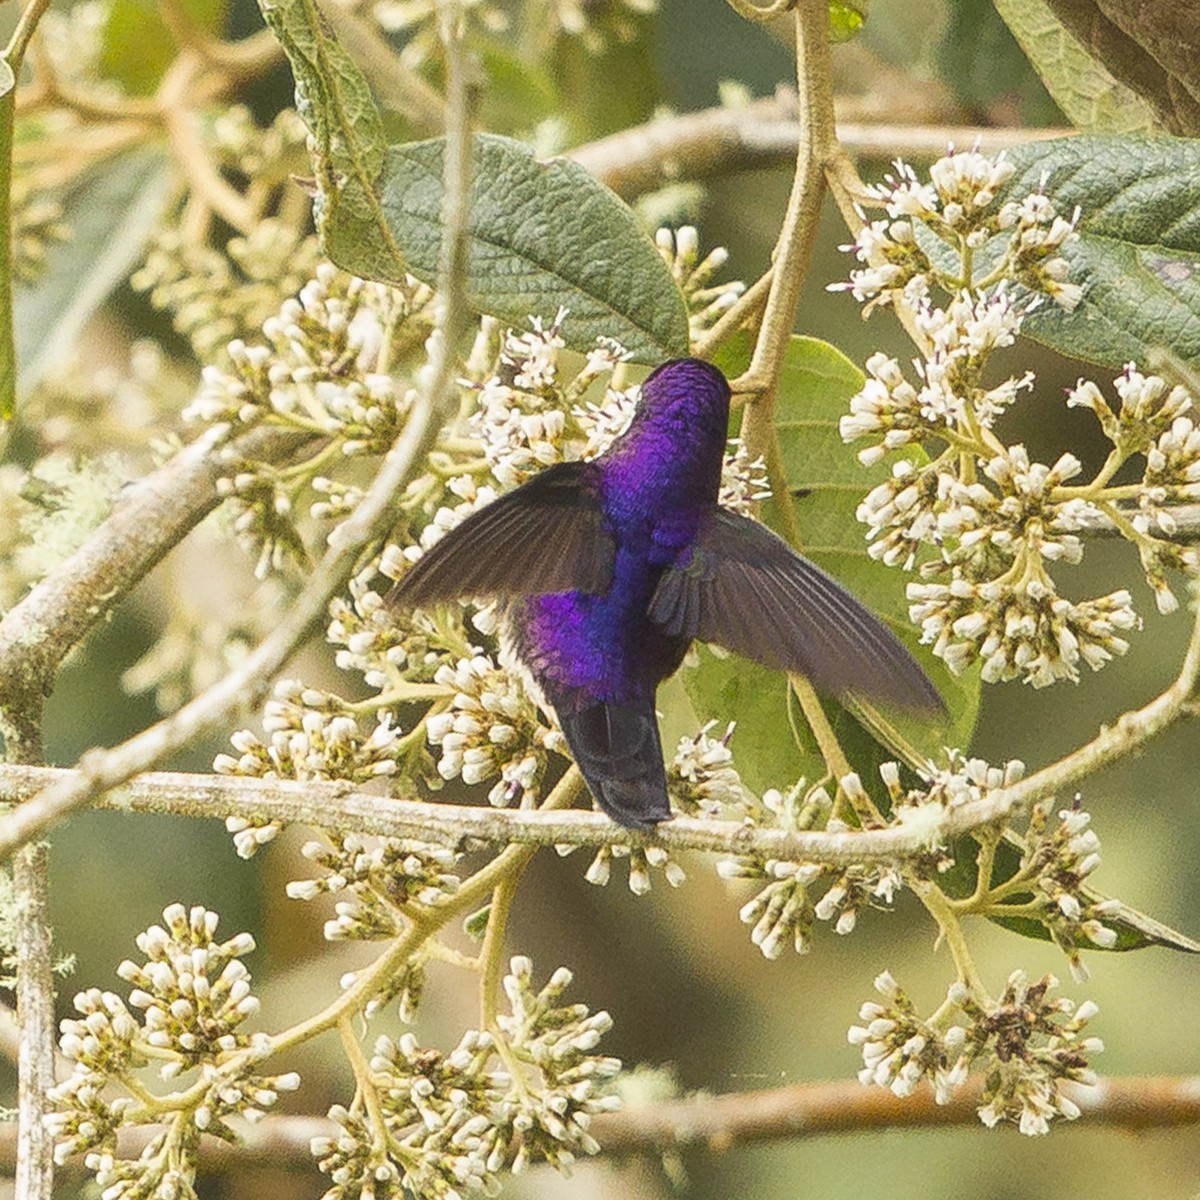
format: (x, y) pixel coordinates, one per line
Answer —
(676, 969)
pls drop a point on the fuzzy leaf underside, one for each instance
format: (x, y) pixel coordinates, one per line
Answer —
(1138, 252)
(1091, 99)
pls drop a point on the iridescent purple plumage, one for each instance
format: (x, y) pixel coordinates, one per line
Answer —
(609, 569)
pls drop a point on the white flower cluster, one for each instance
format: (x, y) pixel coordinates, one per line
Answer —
(899, 1049)
(195, 995)
(744, 481)
(557, 1041)
(1025, 1045)
(997, 521)
(529, 417)
(960, 207)
(383, 877)
(312, 736)
(701, 777)
(491, 729)
(370, 640)
(455, 1121)
(1055, 865)
(706, 301)
(641, 860)
(319, 365)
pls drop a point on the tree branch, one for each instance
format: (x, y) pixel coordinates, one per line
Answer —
(149, 519)
(718, 1123)
(766, 133)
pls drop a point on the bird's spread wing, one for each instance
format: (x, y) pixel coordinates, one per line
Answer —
(744, 588)
(546, 536)
(619, 752)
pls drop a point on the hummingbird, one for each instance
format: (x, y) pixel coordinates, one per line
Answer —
(607, 570)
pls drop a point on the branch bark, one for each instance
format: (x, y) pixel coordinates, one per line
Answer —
(719, 1123)
(764, 134)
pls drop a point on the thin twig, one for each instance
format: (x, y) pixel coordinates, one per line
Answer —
(793, 250)
(329, 805)
(21, 724)
(35, 1009)
(183, 127)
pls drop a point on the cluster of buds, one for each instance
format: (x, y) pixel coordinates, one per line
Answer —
(961, 207)
(321, 366)
(529, 416)
(1025, 1045)
(641, 860)
(383, 877)
(899, 1049)
(312, 736)
(194, 993)
(454, 1121)
(568, 1084)
(372, 641)
(1056, 863)
(217, 295)
(702, 779)
(744, 481)
(1021, 630)
(998, 522)
(706, 301)
(491, 729)
(782, 911)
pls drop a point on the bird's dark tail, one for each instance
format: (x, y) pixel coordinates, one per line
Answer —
(620, 754)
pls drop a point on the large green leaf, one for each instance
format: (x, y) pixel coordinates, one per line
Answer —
(1150, 46)
(1089, 96)
(773, 745)
(1138, 252)
(543, 236)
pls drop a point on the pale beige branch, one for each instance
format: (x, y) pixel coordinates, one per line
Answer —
(719, 1123)
(764, 134)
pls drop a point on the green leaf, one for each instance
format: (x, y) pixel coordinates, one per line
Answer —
(1134, 930)
(110, 210)
(772, 745)
(846, 19)
(542, 236)
(1138, 251)
(336, 104)
(1082, 87)
(137, 46)
(1150, 47)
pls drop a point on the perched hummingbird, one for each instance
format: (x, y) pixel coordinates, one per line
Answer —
(608, 569)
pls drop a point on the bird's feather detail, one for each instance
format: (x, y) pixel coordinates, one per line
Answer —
(617, 748)
(746, 589)
(547, 536)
